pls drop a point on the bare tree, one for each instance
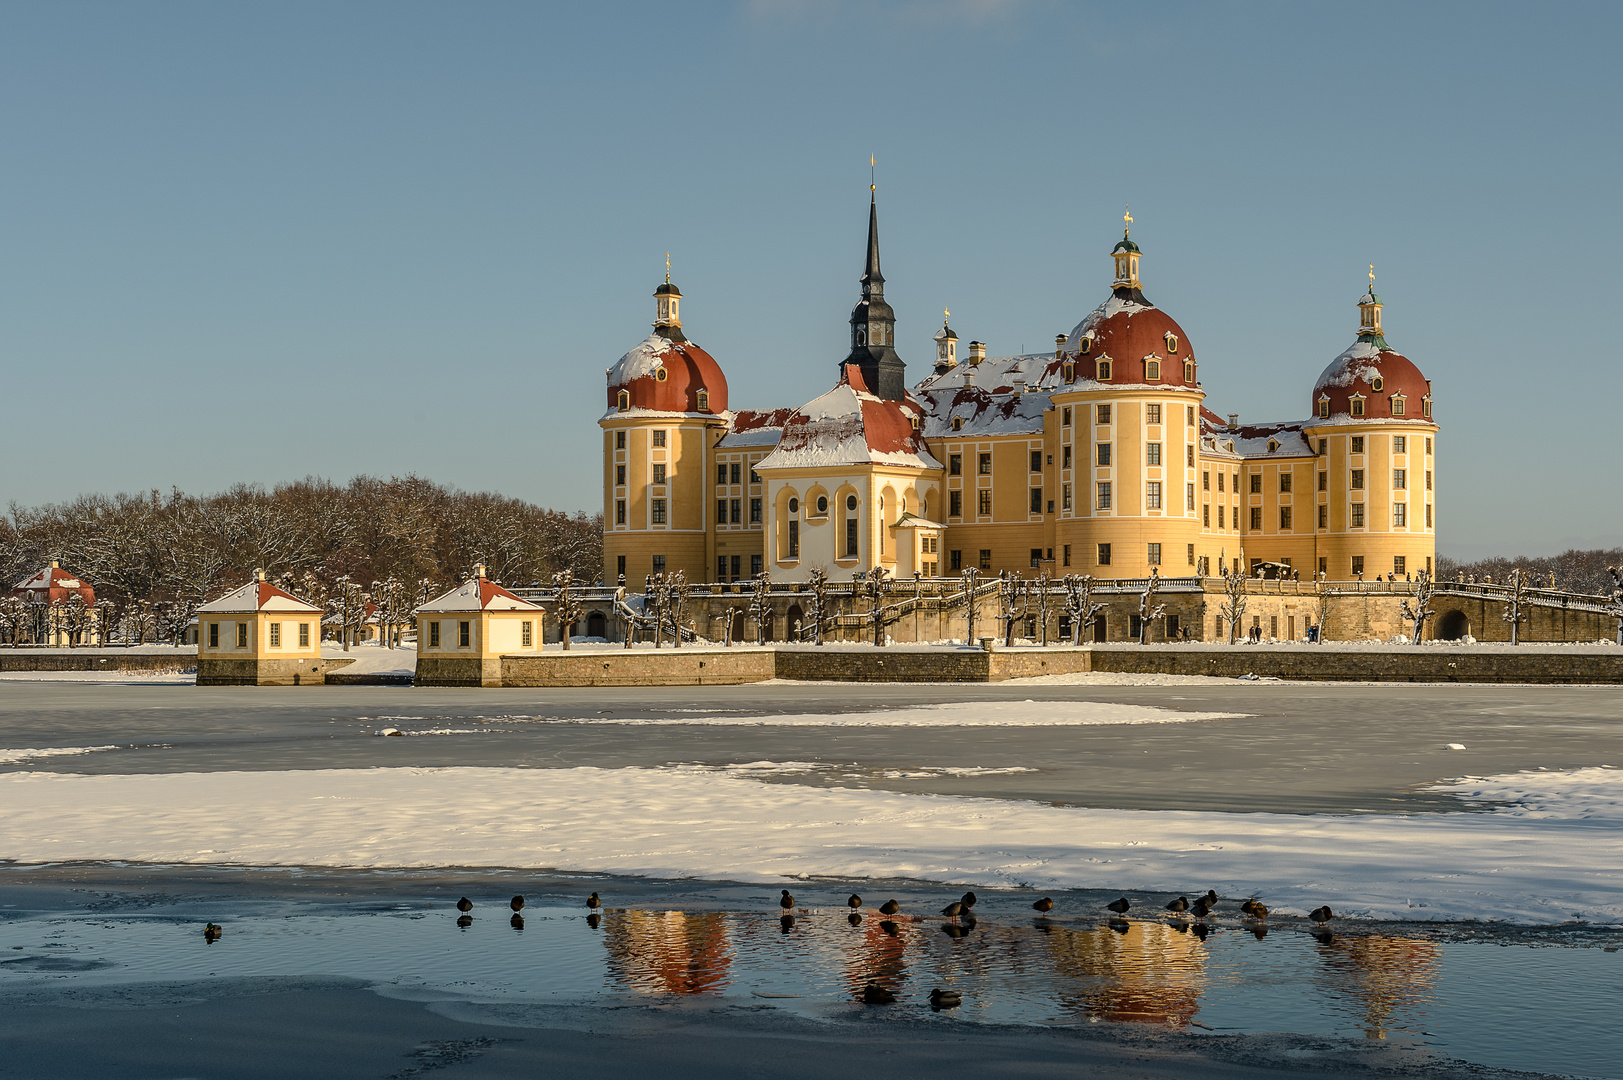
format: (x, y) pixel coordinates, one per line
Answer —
(1080, 606)
(174, 616)
(72, 617)
(1045, 604)
(1013, 599)
(971, 581)
(1148, 609)
(107, 620)
(760, 605)
(1515, 612)
(567, 605)
(395, 603)
(14, 615)
(348, 602)
(873, 587)
(817, 608)
(1233, 609)
(676, 602)
(653, 604)
(1421, 611)
(1617, 598)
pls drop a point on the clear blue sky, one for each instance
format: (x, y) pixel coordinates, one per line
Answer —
(255, 242)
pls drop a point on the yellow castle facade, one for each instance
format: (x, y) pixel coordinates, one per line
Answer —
(1101, 457)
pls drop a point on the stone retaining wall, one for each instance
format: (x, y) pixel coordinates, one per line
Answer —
(639, 667)
(97, 660)
(1396, 664)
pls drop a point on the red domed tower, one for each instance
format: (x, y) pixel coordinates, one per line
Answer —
(1376, 441)
(667, 403)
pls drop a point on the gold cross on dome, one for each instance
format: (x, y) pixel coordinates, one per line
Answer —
(1127, 221)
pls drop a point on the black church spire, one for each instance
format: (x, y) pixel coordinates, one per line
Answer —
(873, 325)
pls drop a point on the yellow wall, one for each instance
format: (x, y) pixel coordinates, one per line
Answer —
(259, 636)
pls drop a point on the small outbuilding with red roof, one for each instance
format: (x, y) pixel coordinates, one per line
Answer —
(463, 634)
(259, 635)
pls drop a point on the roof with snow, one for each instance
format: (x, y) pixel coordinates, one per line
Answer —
(850, 425)
(479, 594)
(52, 577)
(664, 377)
(257, 596)
(911, 520)
(1354, 373)
(754, 427)
(983, 398)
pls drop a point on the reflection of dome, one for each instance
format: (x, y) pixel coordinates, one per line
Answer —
(667, 376)
(1359, 370)
(1150, 974)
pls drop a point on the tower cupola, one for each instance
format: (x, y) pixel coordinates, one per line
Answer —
(1126, 254)
(873, 323)
(1369, 314)
(946, 346)
(668, 307)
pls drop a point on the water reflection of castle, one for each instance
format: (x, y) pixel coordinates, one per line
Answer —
(1139, 972)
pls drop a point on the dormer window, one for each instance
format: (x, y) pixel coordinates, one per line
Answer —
(1172, 342)
(1425, 406)
(1324, 406)
(660, 374)
(624, 401)
(1068, 370)
(1189, 372)
(1399, 405)
(1377, 383)
(958, 423)
(703, 400)
(914, 421)
(1152, 370)
(1273, 446)
(1104, 371)
(1357, 404)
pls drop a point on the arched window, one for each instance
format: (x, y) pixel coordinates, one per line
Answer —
(1152, 370)
(1085, 345)
(703, 400)
(1425, 406)
(957, 423)
(1069, 371)
(1189, 372)
(1104, 371)
(1357, 404)
(1324, 406)
(624, 401)
(1399, 405)
(1172, 342)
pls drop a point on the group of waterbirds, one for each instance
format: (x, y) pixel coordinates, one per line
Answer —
(1255, 911)
(465, 906)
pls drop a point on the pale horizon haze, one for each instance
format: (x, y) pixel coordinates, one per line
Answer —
(254, 243)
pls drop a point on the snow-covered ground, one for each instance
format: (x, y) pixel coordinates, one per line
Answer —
(1548, 857)
(950, 714)
(127, 678)
(371, 659)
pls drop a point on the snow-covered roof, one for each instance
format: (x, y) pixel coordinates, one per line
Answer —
(257, 596)
(52, 577)
(643, 359)
(851, 426)
(1114, 305)
(754, 427)
(983, 396)
(913, 521)
(1360, 363)
(479, 594)
(1251, 440)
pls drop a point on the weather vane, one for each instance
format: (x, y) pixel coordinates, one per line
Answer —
(1371, 277)
(667, 268)
(945, 315)
(872, 184)
(1127, 221)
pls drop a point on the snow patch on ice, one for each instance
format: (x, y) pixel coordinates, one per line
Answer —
(951, 714)
(12, 757)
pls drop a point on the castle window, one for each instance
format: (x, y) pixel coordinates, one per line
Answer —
(1377, 383)
(822, 505)
(658, 511)
(1153, 556)
(1399, 406)
(624, 403)
(1152, 414)
(1065, 416)
(1358, 405)
(1103, 414)
(1358, 515)
(1273, 446)
(1104, 454)
(737, 506)
(619, 476)
(1358, 479)
(794, 506)
(659, 474)
(1324, 406)
(955, 464)
(1256, 484)
(1256, 518)
(735, 472)
(1172, 343)
(955, 504)
(1189, 372)
(755, 511)
(1400, 478)
(704, 400)
(1284, 482)
(1104, 371)
(1324, 517)
(659, 437)
(850, 502)
(1152, 370)
(1284, 519)
(1085, 344)
(1400, 444)
(463, 634)
(620, 436)
(660, 374)
(1425, 406)
(1069, 371)
(1104, 495)
(983, 464)
(914, 421)
(1152, 453)
(1358, 444)
(984, 505)
(619, 511)
(958, 423)
(1104, 554)
(1400, 516)
(721, 511)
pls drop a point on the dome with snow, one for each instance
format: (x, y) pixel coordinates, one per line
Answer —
(1142, 343)
(666, 372)
(1371, 381)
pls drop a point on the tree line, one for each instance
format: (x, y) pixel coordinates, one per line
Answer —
(1572, 570)
(155, 557)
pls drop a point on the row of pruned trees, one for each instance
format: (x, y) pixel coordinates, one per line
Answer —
(154, 558)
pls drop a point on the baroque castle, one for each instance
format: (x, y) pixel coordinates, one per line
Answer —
(1099, 458)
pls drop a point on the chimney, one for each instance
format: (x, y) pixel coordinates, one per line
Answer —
(259, 575)
(1059, 346)
(478, 570)
(1234, 421)
(969, 373)
(55, 565)
(977, 352)
(1019, 385)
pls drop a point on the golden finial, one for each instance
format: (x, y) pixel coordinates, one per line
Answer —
(1126, 222)
(667, 268)
(945, 315)
(1371, 277)
(872, 185)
